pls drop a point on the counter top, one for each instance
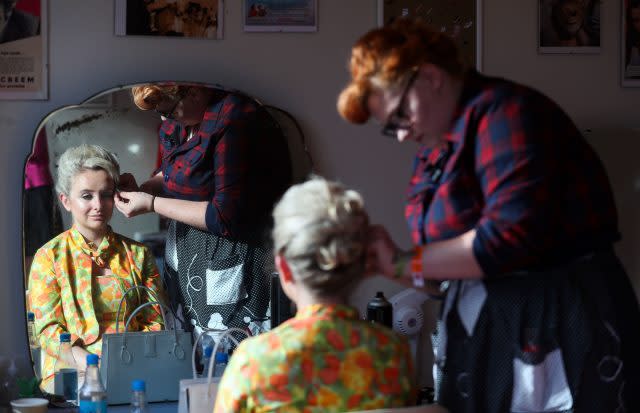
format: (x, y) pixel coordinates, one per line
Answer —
(160, 407)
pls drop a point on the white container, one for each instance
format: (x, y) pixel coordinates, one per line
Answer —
(30, 405)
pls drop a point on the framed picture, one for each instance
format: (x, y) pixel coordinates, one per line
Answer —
(630, 33)
(280, 15)
(569, 26)
(199, 19)
(23, 50)
(462, 19)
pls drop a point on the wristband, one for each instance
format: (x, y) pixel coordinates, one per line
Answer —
(153, 206)
(416, 267)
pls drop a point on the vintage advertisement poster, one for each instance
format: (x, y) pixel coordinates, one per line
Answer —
(630, 43)
(461, 19)
(280, 15)
(569, 26)
(199, 19)
(23, 49)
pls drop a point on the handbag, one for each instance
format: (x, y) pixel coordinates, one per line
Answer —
(157, 357)
(198, 395)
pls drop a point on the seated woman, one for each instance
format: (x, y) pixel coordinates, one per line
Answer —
(325, 357)
(79, 277)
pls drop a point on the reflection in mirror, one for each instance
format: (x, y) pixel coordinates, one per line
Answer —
(180, 151)
(113, 122)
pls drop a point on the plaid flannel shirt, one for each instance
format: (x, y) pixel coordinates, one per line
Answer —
(515, 168)
(238, 161)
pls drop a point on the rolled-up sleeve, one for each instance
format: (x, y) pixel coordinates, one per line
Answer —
(230, 198)
(46, 302)
(515, 165)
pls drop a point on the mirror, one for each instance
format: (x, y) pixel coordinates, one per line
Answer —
(112, 120)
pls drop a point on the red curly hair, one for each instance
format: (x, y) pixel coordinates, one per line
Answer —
(147, 97)
(383, 57)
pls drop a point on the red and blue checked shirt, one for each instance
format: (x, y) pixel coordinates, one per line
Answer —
(515, 168)
(238, 161)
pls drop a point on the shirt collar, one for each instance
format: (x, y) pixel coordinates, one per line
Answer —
(328, 311)
(471, 87)
(97, 253)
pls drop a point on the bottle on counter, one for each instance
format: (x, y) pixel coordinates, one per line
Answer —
(138, 397)
(10, 389)
(34, 344)
(206, 357)
(65, 379)
(92, 395)
(31, 329)
(380, 310)
(222, 358)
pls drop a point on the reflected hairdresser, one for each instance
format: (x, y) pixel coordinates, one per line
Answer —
(224, 163)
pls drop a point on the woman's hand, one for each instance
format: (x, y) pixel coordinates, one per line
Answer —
(381, 251)
(133, 203)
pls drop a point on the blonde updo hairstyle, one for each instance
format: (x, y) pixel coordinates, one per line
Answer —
(320, 229)
(384, 57)
(147, 97)
(81, 158)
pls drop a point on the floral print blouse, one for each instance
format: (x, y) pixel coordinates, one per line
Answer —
(323, 360)
(62, 291)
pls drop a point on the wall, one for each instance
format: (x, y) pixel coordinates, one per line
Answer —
(302, 73)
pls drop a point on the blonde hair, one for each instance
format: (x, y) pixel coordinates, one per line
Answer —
(320, 229)
(85, 157)
(385, 56)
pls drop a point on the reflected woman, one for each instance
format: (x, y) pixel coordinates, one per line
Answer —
(79, 277)
(326, 358)
(225, 162)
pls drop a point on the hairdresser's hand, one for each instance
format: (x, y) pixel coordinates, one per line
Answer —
(127, 182)
(133, 203)
(381, 251)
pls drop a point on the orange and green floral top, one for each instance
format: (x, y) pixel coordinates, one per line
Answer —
(323, 360)
(66, 296)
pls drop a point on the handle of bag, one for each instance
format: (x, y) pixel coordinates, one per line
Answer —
(151, 293)
(177, 351)
(195, 346)
(215, 350)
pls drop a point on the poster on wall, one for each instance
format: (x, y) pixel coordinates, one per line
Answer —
(461, 19)
(23, 49)
(280, 15)
(630, 43)
(569, 26)
(200, 19)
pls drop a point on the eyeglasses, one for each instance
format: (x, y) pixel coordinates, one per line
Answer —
(397, 119)
(168, 114)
